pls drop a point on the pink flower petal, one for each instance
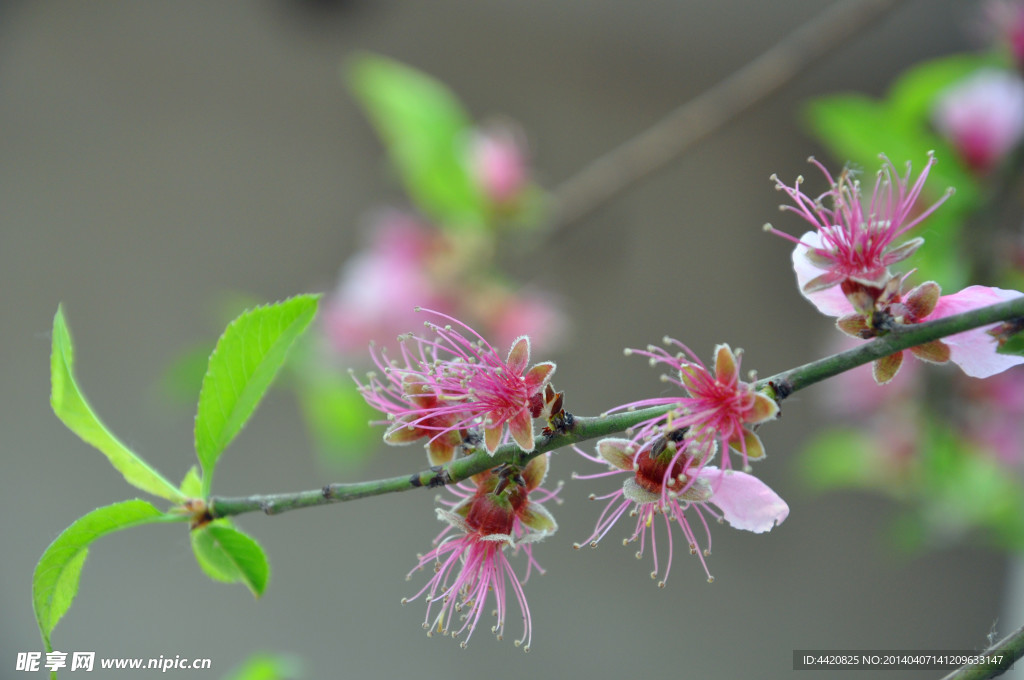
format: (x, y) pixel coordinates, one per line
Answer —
(745, 501)
(831, 301)
(519, 355)
(975, 351)
(538, 376)
(521, 429)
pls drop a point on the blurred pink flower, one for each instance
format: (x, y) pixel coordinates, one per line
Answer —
(379, 287)
(497, 161)
(510, 314)
(982, 116)
(995, 415)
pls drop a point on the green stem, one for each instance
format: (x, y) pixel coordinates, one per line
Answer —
(580, 429)
(1012, 645)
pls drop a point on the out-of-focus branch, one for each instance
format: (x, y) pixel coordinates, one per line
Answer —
(620, 168)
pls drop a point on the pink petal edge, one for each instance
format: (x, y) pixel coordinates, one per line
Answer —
(746, 502)
(831, 301)
(975, 351)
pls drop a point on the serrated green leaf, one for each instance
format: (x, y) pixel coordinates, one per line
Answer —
(70, 406)
(226, 554)
(55, 581)
(425, 130)
(244, 363)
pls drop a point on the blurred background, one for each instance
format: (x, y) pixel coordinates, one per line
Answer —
(156, 156)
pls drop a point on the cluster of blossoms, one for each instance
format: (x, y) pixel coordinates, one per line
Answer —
(843, 268)
(457, 393)
(454, 391)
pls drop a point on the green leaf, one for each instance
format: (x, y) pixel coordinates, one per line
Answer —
(1014, 345)
(241, 368)
(74, 411)
(425, 129)
(228, 555)
(55, 581)
(857, 129)
(183, 378)
(335, 411)
(914, 93)
(838, 459)
(192, 484)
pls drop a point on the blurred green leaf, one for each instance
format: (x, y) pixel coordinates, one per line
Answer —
(425, 130)
(337, 416)
(1013, 345)
(183, 378)
(70, 406)
(226, 554)
(913, 94)
(247, 358)
(55, 581)
(268, 667)
(838, 459)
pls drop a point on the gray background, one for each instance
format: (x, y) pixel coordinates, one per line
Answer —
(154, 155)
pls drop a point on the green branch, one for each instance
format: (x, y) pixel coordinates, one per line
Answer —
(581, 429)
(1012, 646)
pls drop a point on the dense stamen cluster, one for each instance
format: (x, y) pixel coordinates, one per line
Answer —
(665, 480)
(499, 513)
(718, 407)
(450, 389)
(851, 244)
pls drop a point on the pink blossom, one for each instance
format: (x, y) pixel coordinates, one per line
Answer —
(973, 351)
(379, 287)
(665, 480)
(719, 406)
(452, 385)
(983, 116)
(498, 162)
(499, 510)
(511, 314)
(853, 244)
